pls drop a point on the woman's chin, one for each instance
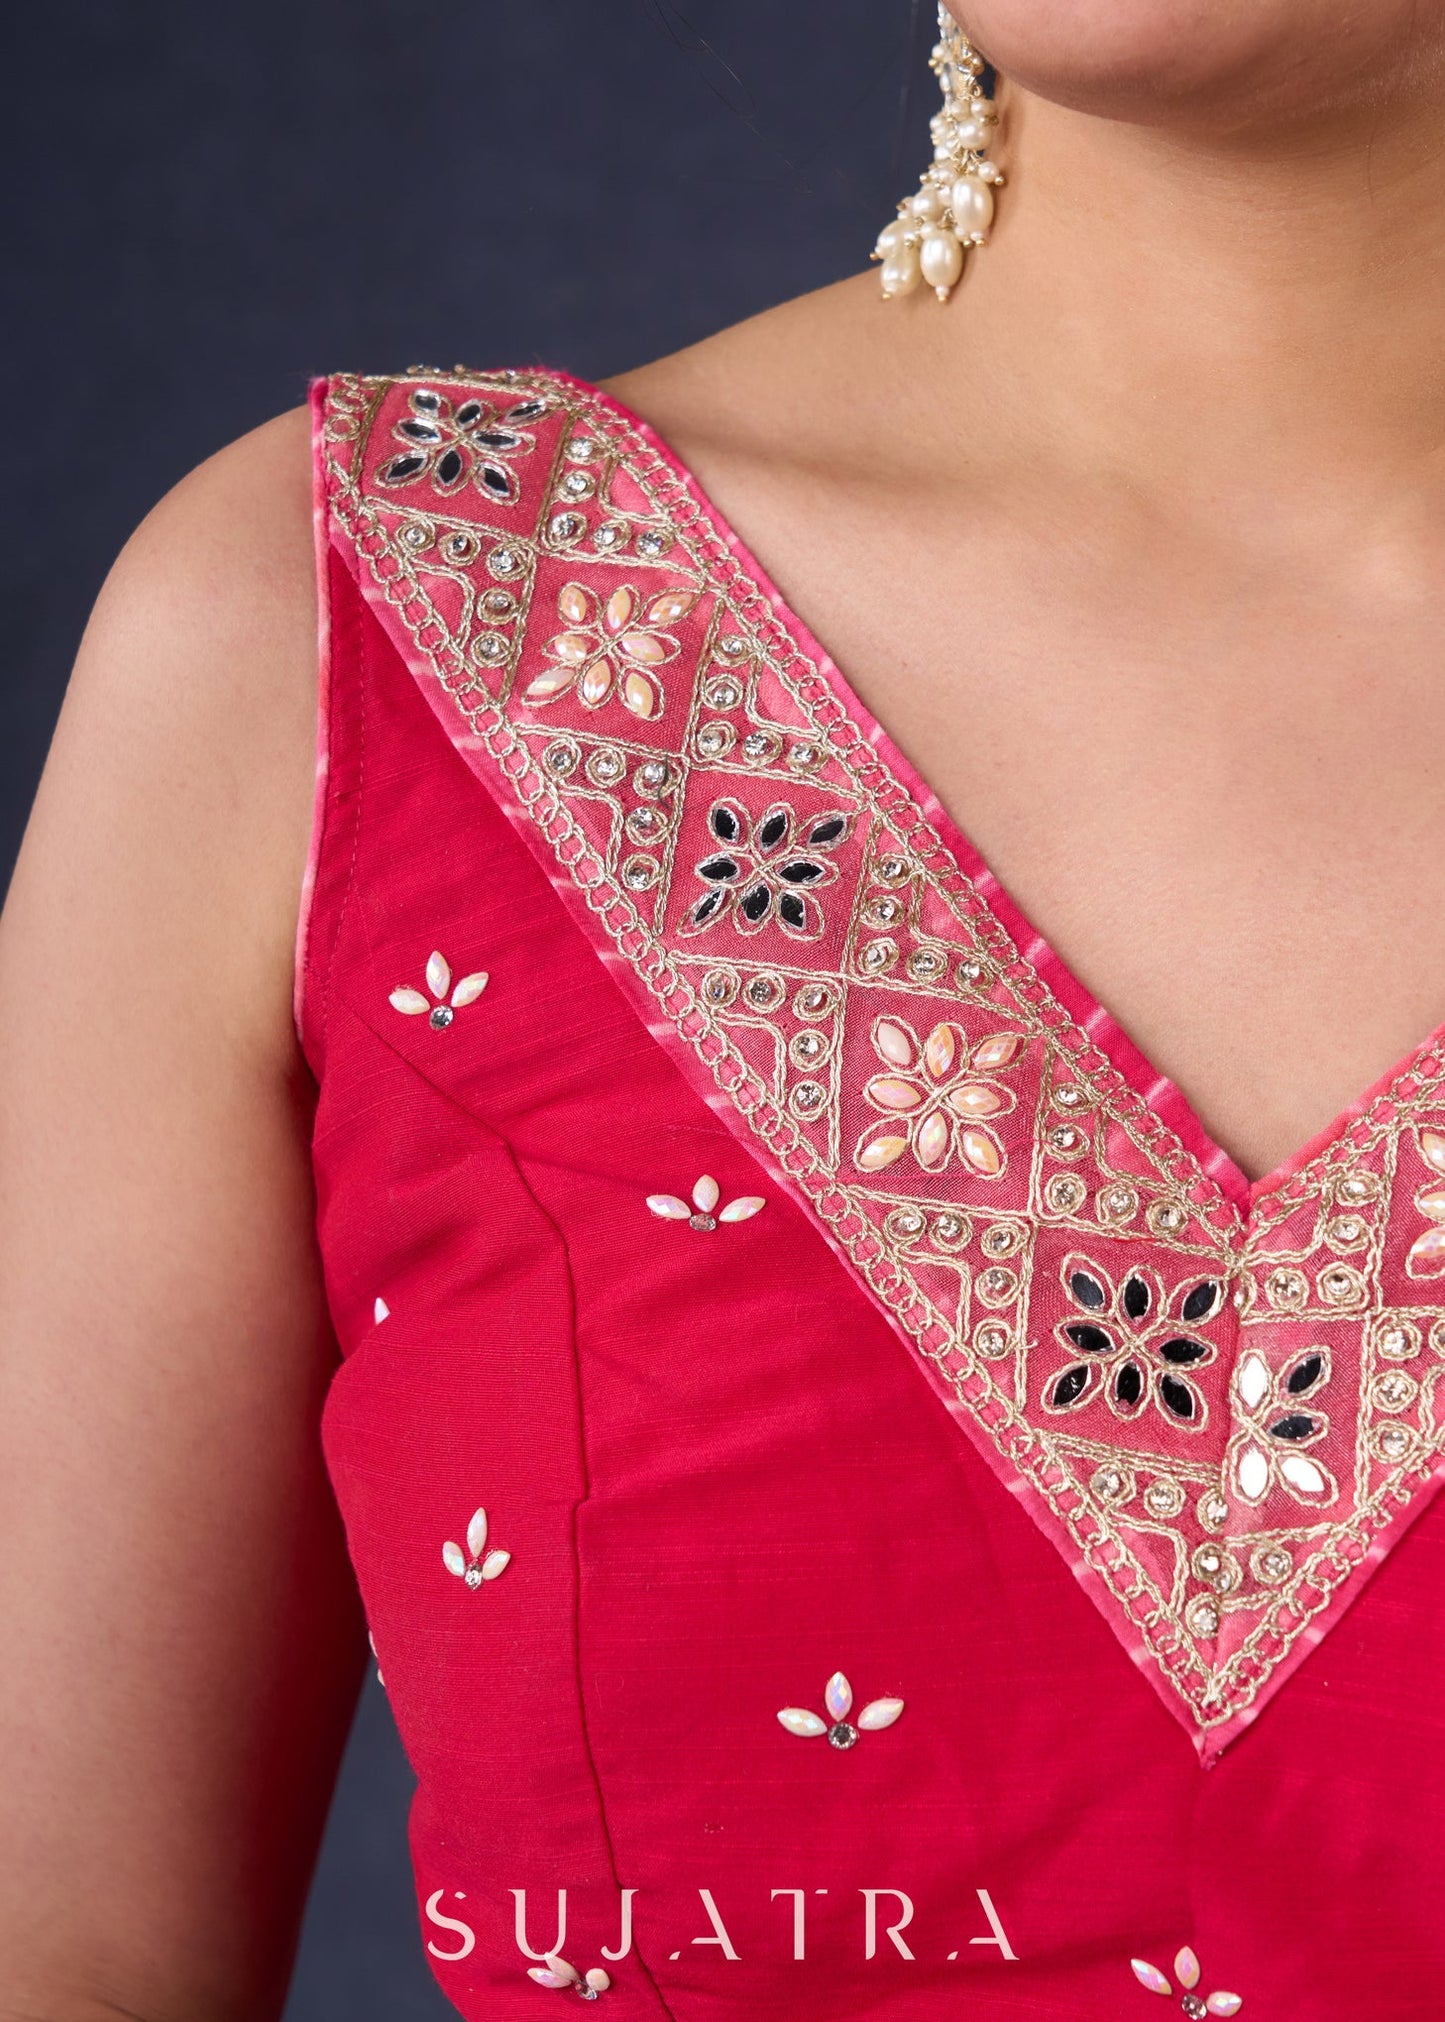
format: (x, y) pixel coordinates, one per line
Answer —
(1205, 66)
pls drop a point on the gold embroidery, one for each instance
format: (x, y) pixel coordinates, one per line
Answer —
(1160, 1495)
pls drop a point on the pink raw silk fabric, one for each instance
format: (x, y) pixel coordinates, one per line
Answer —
(1013, 1401)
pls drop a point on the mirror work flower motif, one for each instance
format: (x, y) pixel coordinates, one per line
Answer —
(1134, 1343)
(937, 1098)
(840, 1730)
(476, 1563)
(766, 868)
(611, 648)
(1427, 1252)
(449, 444)
(1273, 1428)
(1186, 1965)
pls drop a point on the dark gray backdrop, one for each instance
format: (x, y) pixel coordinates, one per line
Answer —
(210, 204)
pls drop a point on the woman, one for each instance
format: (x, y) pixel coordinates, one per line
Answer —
(757, 1260)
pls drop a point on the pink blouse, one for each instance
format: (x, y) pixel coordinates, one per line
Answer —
(863, 1510)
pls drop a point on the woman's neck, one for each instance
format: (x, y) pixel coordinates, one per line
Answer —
(1263, 310)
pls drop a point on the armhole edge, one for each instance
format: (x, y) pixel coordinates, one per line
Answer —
(319, 393)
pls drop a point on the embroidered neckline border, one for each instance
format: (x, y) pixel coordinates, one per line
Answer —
(536, 764)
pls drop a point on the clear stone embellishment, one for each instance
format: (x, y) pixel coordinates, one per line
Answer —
(1107, 1483)
(1164, 1498)
(1202, 1615)
(1272, 1564)
(639, 874)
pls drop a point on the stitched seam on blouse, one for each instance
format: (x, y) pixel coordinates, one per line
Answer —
(499, 1137)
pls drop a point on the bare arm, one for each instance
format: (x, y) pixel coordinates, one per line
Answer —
(179, 1638)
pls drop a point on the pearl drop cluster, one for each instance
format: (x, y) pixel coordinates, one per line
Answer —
(953, 209)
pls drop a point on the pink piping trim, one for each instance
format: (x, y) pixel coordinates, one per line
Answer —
(320, 523)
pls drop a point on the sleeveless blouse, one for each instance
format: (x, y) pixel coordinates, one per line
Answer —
(862, 1509)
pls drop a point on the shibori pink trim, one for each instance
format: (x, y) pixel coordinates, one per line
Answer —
(1220, 1403)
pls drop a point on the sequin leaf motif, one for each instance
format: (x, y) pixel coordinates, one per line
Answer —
(611, 648)
(1274, 1428)
(840, 1730)
(1427, 1252)
(1186, 1965)
(1134, 1342)
(557, 1973)
(704, 1213)
(937, 1098)
(766, 867)
(450, 444)
(439, 1007)
(476, 1563)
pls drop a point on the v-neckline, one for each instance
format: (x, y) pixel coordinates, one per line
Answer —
(1122, 1210)
(1155, 1094)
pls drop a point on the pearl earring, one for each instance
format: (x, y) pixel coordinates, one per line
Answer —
(954, 205)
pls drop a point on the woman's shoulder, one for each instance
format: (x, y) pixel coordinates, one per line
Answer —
(776, 382)
(219, 571)
(233, 538)
(185, 747)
